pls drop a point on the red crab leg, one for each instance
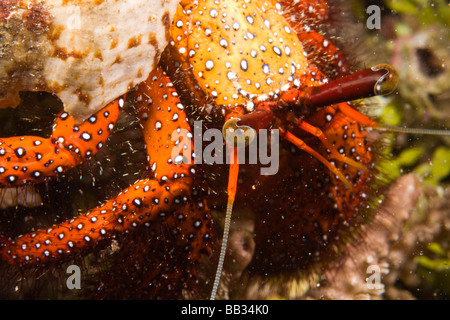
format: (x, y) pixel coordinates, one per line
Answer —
(144, 202)
(319, 134)
(303, 146)
(32, 159)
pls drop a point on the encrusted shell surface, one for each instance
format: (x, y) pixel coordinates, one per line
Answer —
(87, 52)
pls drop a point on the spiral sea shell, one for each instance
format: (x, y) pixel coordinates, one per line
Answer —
(86, 52)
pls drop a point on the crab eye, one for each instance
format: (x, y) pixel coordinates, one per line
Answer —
(388, 82)
(237, 135)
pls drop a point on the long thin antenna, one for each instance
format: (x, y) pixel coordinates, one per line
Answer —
(232, 187)
(386, 127)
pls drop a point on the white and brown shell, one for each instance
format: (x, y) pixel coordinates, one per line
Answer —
(87, 52)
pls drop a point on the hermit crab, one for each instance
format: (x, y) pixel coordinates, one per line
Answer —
(239, 66)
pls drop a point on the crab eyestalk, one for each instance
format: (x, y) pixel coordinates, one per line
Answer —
(381, 79)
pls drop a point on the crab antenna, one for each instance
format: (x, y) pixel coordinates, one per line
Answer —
(232, 187)
(389, 128)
